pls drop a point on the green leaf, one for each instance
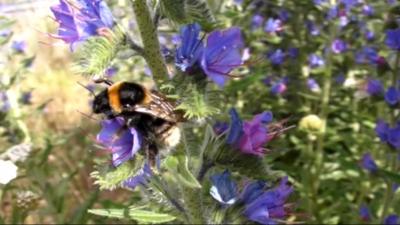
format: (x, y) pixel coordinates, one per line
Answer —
(186, 176)
(195, 105)
(110, 178)
(188, 11)
(142, 216)
(97, 53)
(178, 167)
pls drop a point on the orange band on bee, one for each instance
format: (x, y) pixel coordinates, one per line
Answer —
(113, 97)
(147, 96)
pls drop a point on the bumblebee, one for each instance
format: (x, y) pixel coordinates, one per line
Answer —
(148, 111)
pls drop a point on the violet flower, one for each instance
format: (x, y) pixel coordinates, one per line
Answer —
(79, 22)
(315, 61)
(338, 46)
(222, 54)
(393, 39)
(223, 189)
(270, 206)
(249, 137)
(191, 48)
(368, 163)
(364, 213)
(313, 85)
(139, 179)
(123, 142)
(19, 46)
(391, 219)
(273, 25)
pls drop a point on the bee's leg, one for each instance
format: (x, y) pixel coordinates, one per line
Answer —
(151, 153)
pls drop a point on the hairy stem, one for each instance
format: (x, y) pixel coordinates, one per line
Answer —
(148, 33)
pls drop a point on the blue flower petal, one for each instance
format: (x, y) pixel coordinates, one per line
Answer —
(224, 189)
(236, 127)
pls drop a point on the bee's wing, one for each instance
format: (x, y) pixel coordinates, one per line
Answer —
(159, 107)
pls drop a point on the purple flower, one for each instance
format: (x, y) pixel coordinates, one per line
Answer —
(79, 22)
(368, 163)
(19, 46)
(270, 206)
(392, 96)
(391, 220)
(236, 127)
(374, 87)
(338, 46)
(315, 61)
(222, 54)
(349, 4)
(393, 39)
(273, 25)
(277, 57)
(313, 85)
(250, 136)
(111, 71)
(26, 98)
(140, 178)
(121, 141)
(390, 135)
(223, 189)
(220, 127)
(381, 130)
(369, 35)
(268, 80)
(293, 52)
(391, 2)
(283, 15)
(367, 55)
(279, 87)
(340, 78)
(4, 102)
(312, 28)
(191, 47)
(364, 212)
(319, 2)
(256, 21)
(252, 191)
(368, 10)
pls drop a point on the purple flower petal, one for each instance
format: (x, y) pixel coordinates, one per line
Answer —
(222, 54)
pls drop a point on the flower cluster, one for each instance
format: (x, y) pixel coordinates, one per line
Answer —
(215, 59)
(81, 19)
(387, 134)
(262, 204)
(123, 143)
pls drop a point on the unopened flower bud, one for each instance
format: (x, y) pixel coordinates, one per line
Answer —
(311, 123)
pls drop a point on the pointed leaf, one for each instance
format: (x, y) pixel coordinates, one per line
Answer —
(142, 216)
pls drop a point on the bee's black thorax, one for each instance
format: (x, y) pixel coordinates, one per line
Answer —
(130, 94)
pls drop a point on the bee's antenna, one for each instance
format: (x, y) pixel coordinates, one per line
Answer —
(91, 92)
(88, 116)
(103, 80)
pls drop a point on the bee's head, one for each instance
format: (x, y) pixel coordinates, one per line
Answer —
(101, 103)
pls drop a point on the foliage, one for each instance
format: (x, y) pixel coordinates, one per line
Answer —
(326, 66)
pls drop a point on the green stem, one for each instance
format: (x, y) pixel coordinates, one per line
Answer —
(148, 33)
(325, 98)
(387, 201)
